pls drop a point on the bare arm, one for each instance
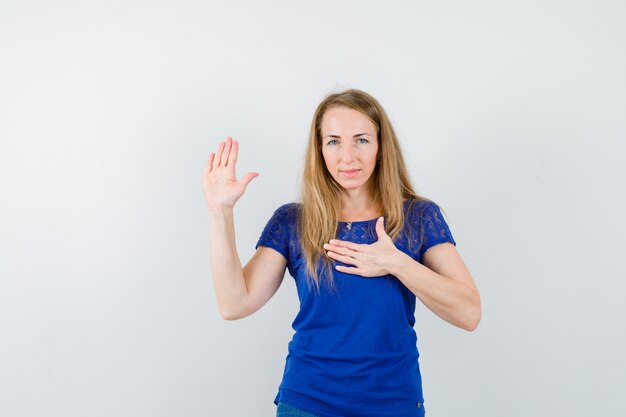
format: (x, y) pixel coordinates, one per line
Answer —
(239, 291)
(226, 270)
(443, 282)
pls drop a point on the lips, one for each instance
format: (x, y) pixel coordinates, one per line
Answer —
(349, 172)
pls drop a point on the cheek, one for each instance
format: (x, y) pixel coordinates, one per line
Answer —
(372, 161)
(327, 159)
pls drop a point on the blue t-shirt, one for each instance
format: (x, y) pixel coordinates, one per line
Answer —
(354, 351)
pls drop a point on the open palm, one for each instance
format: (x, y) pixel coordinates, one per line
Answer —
(219, 182)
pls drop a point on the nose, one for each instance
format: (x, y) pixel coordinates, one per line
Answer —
(347, 153)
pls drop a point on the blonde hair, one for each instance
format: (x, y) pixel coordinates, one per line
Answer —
(320, 194)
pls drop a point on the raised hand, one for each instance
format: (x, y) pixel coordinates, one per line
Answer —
(219, 182)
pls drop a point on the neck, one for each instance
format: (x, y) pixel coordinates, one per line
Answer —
(357, 205)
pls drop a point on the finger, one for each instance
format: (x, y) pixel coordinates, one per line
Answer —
(340, 250)
(218, 156)
(232, 158)
(226, 153)
(341, 258)
(248, 177)
(344, 243)
(380, 227)
(348, 270)
(209, 165)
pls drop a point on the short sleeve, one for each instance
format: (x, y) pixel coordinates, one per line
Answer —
(435, 228)
(275, 234)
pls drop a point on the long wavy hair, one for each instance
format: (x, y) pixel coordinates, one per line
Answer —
(320, 194)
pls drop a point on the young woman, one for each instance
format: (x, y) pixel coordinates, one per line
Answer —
(361, 245)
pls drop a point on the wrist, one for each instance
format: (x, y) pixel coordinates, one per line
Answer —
(220, 212)
(399, 263)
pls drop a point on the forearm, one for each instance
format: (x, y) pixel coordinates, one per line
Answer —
(451, 300)
(228, 279)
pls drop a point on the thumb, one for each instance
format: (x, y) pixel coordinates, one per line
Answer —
(380, 227)
(248, 177)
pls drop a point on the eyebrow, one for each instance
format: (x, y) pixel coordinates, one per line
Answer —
(339, 137)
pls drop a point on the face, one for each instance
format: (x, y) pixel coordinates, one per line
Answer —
(349, 147)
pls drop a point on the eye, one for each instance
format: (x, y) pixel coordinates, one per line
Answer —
(332, 142)
(364, 140)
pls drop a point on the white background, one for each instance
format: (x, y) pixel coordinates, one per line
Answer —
(511, 116)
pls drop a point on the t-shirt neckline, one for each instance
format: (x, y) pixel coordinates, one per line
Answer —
(360, 221)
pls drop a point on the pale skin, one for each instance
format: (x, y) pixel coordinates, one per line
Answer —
(441, 281)
(240, 291)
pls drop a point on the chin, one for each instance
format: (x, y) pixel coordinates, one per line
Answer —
(351, 186)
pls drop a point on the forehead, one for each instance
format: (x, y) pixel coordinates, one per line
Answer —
(344, 119)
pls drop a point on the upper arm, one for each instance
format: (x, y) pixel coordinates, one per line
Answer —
(263, 275)
(439, 251)
(444, 259)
